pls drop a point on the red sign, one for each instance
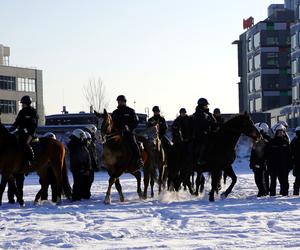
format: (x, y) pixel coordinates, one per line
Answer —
(248, 23)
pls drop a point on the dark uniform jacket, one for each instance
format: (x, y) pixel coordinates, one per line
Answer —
(80, 159)
(258, 157)
(26, 121)
(278, 155)
(203, 124)
(162, 125)
(124, 116)
(93, 154)
(295, 152)
(181, 128)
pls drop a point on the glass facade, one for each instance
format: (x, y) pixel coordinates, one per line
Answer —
(257, 83)
(26, 84)
(256, 40)
(258, 105)
(7, 82)
(8, 107)
(257, 61)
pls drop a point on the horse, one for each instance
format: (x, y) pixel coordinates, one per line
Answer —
(219, 156)
(155, 159)
(46, 150)
(118, 157)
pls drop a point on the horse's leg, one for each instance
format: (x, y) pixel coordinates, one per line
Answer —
(232, 175)
(119, 189)
(152, 187)
(200, 181)
(146, 181)
(3, 183)
(111, 182)
(16, 189)
(215, 178)
(137, 175)
(57, 170)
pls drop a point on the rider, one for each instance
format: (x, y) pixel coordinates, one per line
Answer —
(181, 127)
(157, 119)
(126, 120)
(218, 117)
(25, 127)
(203, 123)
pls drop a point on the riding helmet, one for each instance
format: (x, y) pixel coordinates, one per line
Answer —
(121, 98)
(202, 102)
(26, 99)
(155, 109)
(182, 110)
(91, 128)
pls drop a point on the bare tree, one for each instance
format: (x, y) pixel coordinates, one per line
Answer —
(95, 94)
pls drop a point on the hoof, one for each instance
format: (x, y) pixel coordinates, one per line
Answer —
(107, 201)
(122, 199)
(223, 196)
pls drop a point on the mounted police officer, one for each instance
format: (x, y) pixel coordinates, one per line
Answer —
(203, 125)
(181, 127)
(126, 120)
(157, 119)
(218, 117)
(25, 127)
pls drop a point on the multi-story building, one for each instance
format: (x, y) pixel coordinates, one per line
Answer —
(264, 62)
(16, 82)
(269, 64)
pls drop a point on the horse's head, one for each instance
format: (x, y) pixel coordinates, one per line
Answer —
(243, 124)
(107, 123)
(247, 126)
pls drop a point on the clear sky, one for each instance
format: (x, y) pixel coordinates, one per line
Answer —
(156, 52)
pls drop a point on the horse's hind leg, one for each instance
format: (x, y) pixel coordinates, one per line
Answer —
(230, 173)
(152, 186)
(137, 175)
(215, 178)
(2, 187)
(146, 182)
(119, 189)
(111, 182)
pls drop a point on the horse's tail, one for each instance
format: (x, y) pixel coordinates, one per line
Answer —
(67, 190)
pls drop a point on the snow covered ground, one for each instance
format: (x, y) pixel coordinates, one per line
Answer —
(172, 221)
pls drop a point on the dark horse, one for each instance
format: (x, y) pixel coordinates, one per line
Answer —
(118, 157)
(47, 151)
(219, 156)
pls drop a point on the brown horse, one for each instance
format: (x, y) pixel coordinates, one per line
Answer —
(155, 159)
(47, 151)
(118, 157)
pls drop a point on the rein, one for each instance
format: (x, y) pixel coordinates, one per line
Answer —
(110, 137)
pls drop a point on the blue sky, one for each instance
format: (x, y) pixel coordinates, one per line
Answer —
(156, 52)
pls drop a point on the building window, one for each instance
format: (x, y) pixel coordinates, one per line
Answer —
(256, 40)
(257, 61)
(250, 86)
(272, 40)
(8, 107)
(26, 84)
(250, 64)
(272, 59)
(8, 82)
(257, 83)
(294, 67)
(258, 105)
(294, 41)
(249, 44)
(251, 106)
(295, 93)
